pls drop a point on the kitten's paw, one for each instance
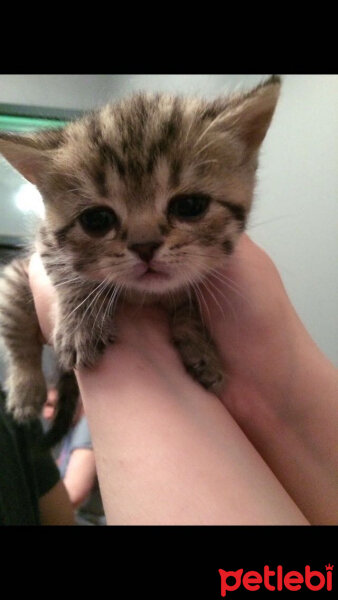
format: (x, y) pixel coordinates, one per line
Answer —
(88, 355)
(22, 414)
(210, 376)
(201, 360)
(65, 350)
(78, 350)
(26, 397)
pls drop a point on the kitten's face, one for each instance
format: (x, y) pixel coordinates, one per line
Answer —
(151, 194)
(154, 229)
(153, 242)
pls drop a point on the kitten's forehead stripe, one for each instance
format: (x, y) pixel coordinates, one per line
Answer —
(94, 130)
(116, 161)
(107, 154)
(175, 172)
(143, 135)
(132, 136)
(98, 175)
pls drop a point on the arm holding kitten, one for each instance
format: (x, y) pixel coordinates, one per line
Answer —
(145, 201)
(170, 452)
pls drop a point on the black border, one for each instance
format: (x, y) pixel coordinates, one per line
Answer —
(177, 562)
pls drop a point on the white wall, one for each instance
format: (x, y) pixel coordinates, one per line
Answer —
(295, 217)
(57, 91)
(86, 91)
(297, 201)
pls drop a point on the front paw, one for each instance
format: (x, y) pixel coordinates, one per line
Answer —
(64, 346)
(27, 395)
(208, 373)
(201, 360)
(80, 349)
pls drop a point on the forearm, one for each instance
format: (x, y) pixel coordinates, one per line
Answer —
(80, 475)
(281, 390)
(292, 422)
(167, 452)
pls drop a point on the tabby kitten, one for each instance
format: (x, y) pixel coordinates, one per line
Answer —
(145, 197)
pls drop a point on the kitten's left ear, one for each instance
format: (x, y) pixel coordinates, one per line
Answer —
(30, 154)
(250, 113)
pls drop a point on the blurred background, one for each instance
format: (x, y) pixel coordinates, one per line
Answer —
(295, 215)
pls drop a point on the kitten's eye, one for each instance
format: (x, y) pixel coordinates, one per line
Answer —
(98, 221)
(189, 207)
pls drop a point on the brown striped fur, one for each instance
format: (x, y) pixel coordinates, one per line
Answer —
(135, 157)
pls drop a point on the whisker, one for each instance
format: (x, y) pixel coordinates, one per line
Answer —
(99, 314)
(105, 290)
(216, 272)
(190, 300)
(83, 301)
(100, 309)
(204, 162)
(204, 148)
(205, 305)
(110, 304)
(102, 286)
(212, 124)
(113, 300)
(228, 283)
(68, 281)
(204, 283)
(197, 294)
(268, 221)
(226, 299)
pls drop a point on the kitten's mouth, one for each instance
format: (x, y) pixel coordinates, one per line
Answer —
(150, 277)
(151, 274)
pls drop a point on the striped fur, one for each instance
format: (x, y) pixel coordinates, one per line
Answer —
(135, 159)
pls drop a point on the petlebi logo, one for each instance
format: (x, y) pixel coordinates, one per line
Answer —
(276, 579)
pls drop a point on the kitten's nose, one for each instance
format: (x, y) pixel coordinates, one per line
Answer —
(145, 251)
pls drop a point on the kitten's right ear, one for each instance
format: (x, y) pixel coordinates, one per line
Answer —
(29, 154)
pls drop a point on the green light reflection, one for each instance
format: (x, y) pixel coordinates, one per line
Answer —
(21, 124)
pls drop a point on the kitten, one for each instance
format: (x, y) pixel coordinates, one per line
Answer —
(144, 197)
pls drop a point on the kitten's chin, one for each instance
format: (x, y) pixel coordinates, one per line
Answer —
(156, 283)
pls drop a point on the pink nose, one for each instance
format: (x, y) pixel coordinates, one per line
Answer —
(145, 251)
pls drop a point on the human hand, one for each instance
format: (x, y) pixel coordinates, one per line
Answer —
(275, 377)
(244, 305)
(256, 328)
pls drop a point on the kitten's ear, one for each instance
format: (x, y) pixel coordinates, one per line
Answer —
(251, 113)
(29, 154)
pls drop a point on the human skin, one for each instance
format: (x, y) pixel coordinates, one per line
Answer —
(169, 452)
(55, 507)
(282, 391)
(80, 475)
